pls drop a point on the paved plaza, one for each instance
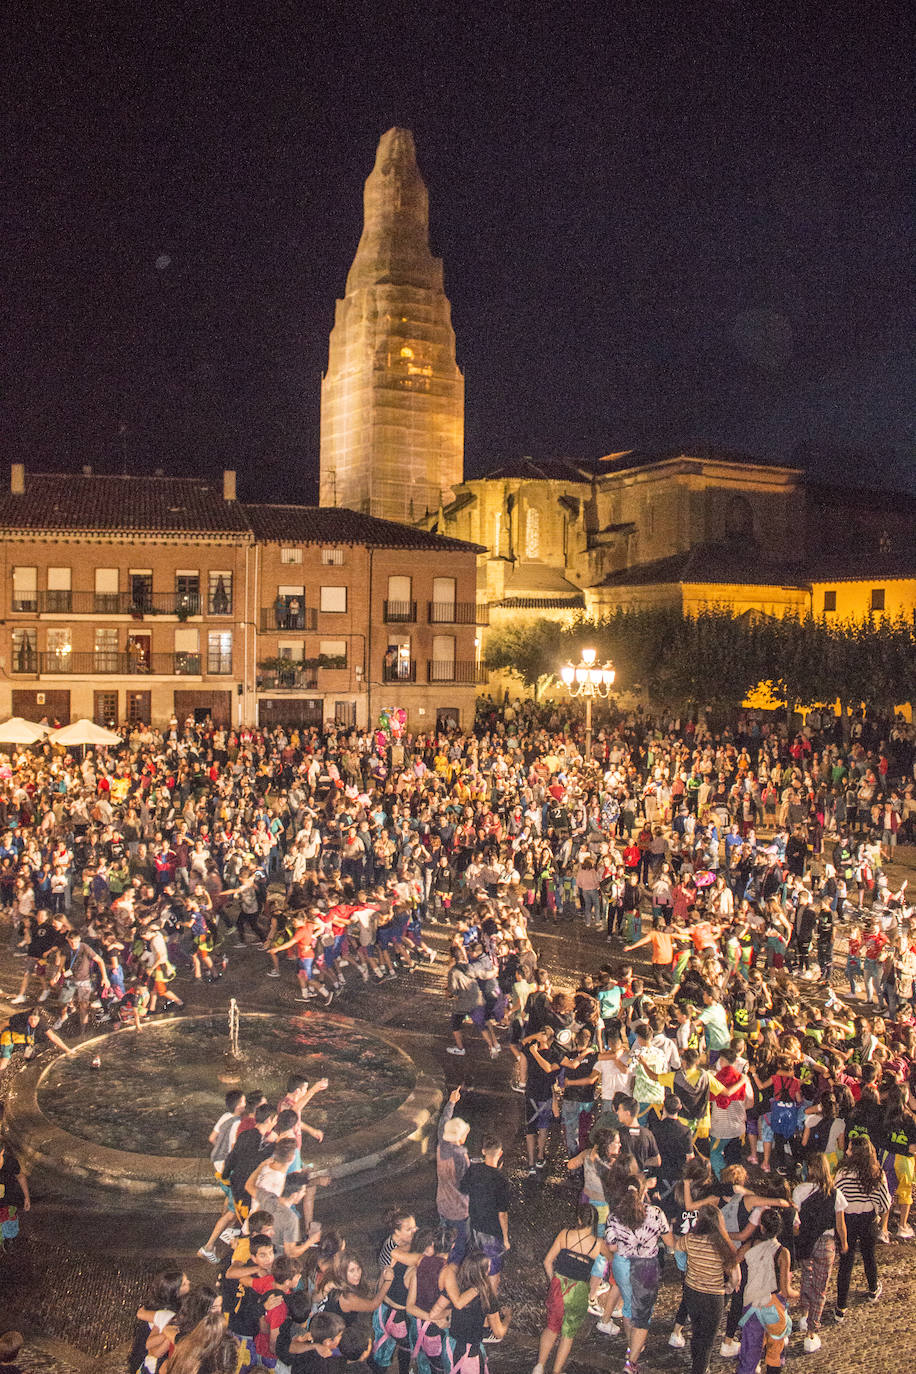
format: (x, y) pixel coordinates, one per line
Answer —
(76, 1275)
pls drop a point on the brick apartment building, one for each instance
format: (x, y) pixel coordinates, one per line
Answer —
(136, 598)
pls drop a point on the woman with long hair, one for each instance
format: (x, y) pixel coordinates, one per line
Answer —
(815, 1244)
(568, 1265)
(631, 1237)
(199, 1346)
(861, 1197)
(467, 1290)
(710, 1257)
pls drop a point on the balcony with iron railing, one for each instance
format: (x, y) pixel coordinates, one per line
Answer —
(78, 663)
(274, 618)
(181, 604)
(289, 678)
(463, 672)
(400, 612)
(453, 612)
(399, 672)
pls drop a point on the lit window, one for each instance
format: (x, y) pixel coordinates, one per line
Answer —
(219, 651)
(406, 352)
(533, 534)
(290, 555)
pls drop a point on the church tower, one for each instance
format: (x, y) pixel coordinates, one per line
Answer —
(392, 400)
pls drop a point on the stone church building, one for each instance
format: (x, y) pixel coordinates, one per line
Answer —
(689, 527)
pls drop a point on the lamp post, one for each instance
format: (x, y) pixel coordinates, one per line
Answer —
(589, 680)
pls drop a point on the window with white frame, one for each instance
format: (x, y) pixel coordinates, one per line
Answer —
(25, 589)
(290, 555)
(333, 600)
(332, 653)
(25, 650)
(59, 645)
(59, 598)
(219, 651)
(106, 649)
(219, 593)
(187, 649)
(332, 558)
(105, 600)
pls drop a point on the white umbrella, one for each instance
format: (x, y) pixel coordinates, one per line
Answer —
(84, 732)
(19, 731)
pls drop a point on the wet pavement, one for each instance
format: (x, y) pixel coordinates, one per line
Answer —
(73, 1280)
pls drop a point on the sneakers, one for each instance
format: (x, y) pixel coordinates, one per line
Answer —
(839, 1314)
(492, 1339)
(904, 1233)
(364, 973)
(208, 1255)
(454, 1049)
(608, 1328)
(18, 1001)
(729, 1350)
(538, 1369)
(273, 973)
(801, 1326)
(677, 1340)
(812, 1343)
(43, 997)
(532, 1172)
(518, 1087)
(873, 1297)
(595, 1307)
(542, 1163)
(327, 996)
(883, 1238)
(306, 995)
(603, 1287)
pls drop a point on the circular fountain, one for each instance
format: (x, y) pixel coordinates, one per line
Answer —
(140, 1122)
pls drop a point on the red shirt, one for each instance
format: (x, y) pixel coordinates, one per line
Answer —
(874, 945)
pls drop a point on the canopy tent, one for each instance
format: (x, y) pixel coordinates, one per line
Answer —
(19, 731)
(84, 732)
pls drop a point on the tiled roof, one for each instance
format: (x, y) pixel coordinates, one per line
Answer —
(705, 453)
(708, 563)
(337, 525)
(539, 470)
(96, 503)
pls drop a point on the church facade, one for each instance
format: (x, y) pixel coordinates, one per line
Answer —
(691, 527)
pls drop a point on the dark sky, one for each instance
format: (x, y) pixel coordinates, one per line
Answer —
(661, 223)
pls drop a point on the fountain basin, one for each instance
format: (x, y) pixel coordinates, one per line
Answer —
(139, 1123)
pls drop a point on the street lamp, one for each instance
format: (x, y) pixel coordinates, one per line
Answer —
(589, 680)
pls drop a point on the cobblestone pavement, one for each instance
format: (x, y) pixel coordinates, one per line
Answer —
(74, 1278)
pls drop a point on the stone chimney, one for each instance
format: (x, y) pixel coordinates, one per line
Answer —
(17, 479)
(229, 484)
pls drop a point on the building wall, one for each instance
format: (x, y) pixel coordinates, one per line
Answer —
(855, 600)
(89, 657)
(87, 640)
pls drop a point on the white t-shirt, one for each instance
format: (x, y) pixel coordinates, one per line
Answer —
(613, 1079)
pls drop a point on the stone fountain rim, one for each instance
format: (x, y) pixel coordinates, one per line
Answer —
(39, 1141)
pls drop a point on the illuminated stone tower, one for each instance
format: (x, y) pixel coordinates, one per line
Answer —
(392, 400)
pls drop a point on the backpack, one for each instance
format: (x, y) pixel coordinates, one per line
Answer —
(817, 1214)
(783, 1119)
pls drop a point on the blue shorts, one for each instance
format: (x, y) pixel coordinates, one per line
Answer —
(306, 965)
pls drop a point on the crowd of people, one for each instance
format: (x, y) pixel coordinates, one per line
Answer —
(702, 1084)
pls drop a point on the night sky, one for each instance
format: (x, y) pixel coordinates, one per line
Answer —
(666, 224)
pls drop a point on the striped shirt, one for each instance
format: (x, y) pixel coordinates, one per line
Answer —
(852, 1197)
(705, 1266)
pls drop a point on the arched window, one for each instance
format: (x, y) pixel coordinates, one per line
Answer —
(533, 533)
